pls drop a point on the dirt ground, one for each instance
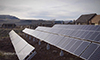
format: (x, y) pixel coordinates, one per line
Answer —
(7, 51)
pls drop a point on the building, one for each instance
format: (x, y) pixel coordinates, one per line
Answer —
(96, 20)
(85, 19)
(11, 25)
(22, 23)
(59, 22)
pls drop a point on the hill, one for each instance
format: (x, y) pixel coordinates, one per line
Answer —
(8, 17)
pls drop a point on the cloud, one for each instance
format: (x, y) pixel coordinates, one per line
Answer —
(51, 9)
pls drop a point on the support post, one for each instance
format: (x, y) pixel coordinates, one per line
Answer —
(61, 53)
(32, 55)
(48, 46)
(26, 35)
(30, 37)
(39, 43)
(33, 39)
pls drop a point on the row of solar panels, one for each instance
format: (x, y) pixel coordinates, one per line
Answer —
(82, 34)
(22, 48)
(84, 49)
(79, 27)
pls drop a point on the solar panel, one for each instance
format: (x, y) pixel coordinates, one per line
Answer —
(93, 27)
(93, 36)
(68, 32)
(59, 39)
(98, 29)
(39, 35)
(53, 39)
(44, 36)
(32, 33)
(71, 38)
(55, 30)
(41, 28)
(63, 32)
(26, 51)
(75, 45)
(84, 34)
(79, 33)
(15, 41)
(95, 55)
(63, 42)
(21, 47)
(97, 38)
(88, 35)
(81, 48)
(87, 27)
(36, 33)
(70, 44)
(89, 51)
(48, 37)
(75, 33)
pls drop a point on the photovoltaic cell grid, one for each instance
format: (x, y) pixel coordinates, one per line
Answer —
(85, 49)
(87, 32)
(79, 27)
(21, 47)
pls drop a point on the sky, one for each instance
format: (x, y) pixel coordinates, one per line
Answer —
(49, 9)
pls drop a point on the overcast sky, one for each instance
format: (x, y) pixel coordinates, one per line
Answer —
(49, 9)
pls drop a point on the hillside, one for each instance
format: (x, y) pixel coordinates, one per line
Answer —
(8, 17)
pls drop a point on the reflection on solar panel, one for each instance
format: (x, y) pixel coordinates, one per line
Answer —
(80, 40)
(22, 48)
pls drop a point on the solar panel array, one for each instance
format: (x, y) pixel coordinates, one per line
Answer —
(22, 48)
(88, 32)
(80, 40)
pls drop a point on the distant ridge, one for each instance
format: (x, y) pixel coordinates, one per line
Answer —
(8, 17)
